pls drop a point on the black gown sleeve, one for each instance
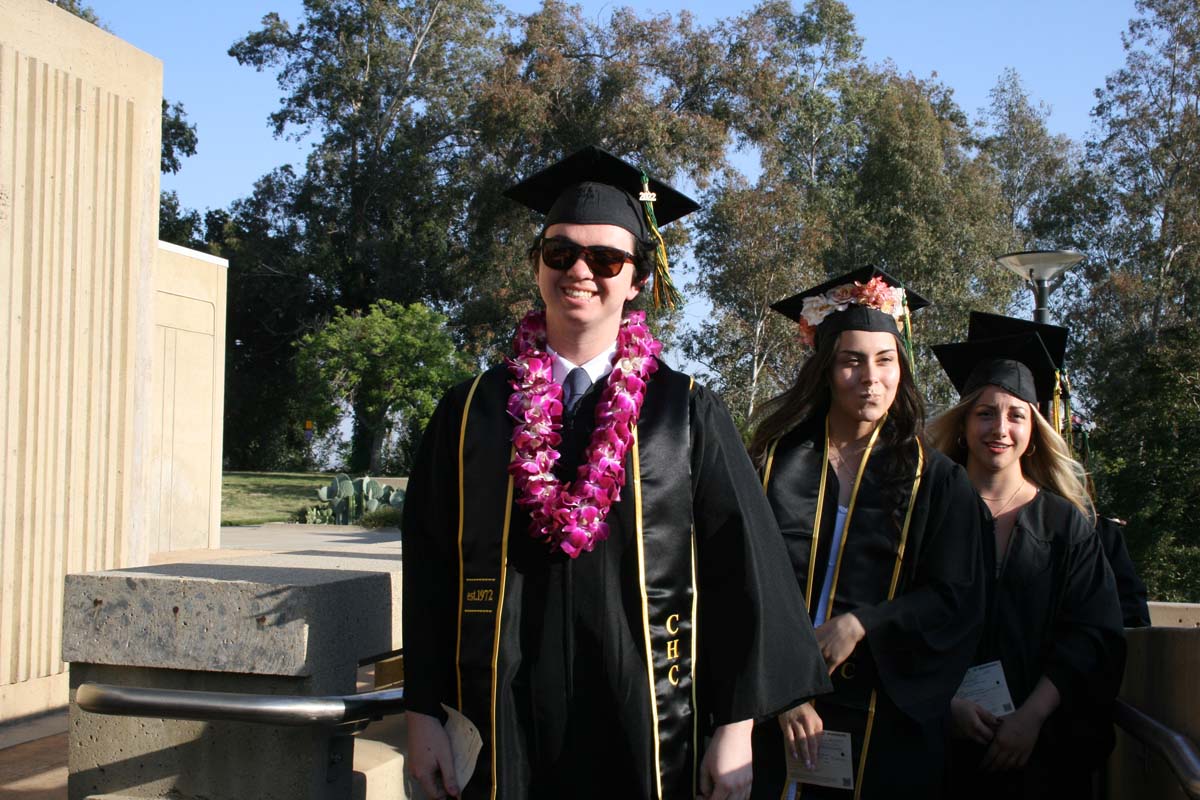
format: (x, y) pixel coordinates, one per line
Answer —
(924, 639)
(757, 652)
(1087, 642)
(1132, 592)
(430, 567)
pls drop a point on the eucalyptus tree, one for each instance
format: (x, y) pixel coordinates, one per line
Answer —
(1134, 206)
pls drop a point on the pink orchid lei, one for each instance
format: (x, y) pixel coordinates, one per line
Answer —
(572, 516)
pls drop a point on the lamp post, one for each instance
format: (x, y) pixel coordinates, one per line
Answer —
(1039, 267)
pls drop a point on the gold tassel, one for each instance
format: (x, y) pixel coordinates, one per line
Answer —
(1068, 432)
(1056, 407)
(665, 292)
(908, 336)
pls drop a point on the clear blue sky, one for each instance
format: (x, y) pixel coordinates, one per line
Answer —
(1063, 50)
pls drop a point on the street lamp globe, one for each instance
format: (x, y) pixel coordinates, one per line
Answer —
(1039, 267)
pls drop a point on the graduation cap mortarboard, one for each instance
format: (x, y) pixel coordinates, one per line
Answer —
(594, 187)
(1020, 365)
(991, 326)
(838, 305)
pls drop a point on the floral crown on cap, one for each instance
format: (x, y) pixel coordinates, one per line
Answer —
(875, 293)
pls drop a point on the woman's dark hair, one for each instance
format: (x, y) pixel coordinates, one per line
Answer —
(643, 258)
(810, 397)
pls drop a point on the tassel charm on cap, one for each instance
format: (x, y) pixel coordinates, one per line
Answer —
(665, 292)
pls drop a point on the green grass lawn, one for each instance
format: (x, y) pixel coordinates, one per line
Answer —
(252, 498)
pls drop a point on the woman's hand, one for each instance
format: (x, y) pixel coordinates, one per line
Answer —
(1013, 743)
(1018, 732)
(802, 727)
(838, 637)
(429, 759)
(726, 771)
(969, 721)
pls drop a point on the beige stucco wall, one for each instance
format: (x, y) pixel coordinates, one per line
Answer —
(187, 400)
(79, 167)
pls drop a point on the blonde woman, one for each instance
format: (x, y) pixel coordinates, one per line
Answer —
(1054, 622)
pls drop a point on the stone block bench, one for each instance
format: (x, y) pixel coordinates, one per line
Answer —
(298, 623)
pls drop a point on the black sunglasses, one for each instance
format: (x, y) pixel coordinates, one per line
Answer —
(604, 262)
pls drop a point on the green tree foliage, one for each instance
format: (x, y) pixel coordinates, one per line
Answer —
(1134, 206)
(882, 169)
(795, 78)
(1028, 159)
(178, 136)
(1149, 151)
(653, 87)
(275, 291)
(752, 250)
(381, 86)
(179, 225)
(393, 362)
(1147, 471)
(924, 207)
(84, 12)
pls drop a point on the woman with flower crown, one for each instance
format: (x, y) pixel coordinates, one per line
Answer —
(592, 574)
(1054, 626)
(883, 538)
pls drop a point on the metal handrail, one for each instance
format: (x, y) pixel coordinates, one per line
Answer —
(1176, 749)
(265, 709)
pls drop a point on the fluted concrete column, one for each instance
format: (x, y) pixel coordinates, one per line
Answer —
(80, 126)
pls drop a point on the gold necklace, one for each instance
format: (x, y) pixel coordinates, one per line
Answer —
(1007, 502)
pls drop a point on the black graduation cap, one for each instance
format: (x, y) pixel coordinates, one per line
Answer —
(855, 317)
(1020, 365)
(594, 187)
(989, 326)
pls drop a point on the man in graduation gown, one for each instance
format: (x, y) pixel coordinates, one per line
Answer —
(627, 659)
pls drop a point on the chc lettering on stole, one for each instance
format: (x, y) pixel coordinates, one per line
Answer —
(673, 649)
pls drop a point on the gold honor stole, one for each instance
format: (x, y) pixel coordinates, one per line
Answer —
(812, 559)
(655, 505)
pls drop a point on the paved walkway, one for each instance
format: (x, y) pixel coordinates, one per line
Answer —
(33, 754)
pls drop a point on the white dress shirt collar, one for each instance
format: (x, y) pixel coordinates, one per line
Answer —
(596, 368)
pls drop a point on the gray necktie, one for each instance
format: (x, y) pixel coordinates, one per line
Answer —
(574, 387)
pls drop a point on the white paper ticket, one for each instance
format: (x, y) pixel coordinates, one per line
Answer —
(465, 744)
(834, 767)
(985, 686)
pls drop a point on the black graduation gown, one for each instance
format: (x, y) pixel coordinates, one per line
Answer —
(1053, 611)
(583, 675)
(918, 645)
(1132, 592)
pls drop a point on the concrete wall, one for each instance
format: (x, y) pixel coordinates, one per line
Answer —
(188, 400)
(80, 115)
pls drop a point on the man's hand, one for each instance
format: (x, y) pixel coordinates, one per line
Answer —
(726, 771)
(969, 721)
(429, 760)
(837, 638)
(802, 727)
